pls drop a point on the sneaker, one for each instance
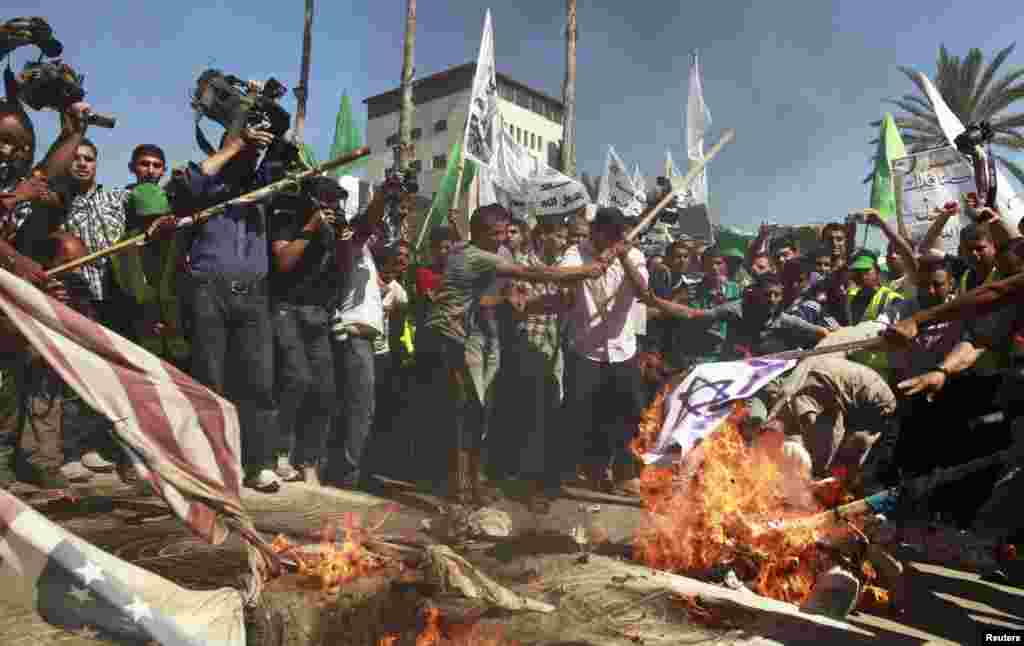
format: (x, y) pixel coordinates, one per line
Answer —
(266, 481)
(76, 472)
(95, 462)
(286, 471)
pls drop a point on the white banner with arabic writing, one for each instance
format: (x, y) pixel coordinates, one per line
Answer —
(482, 120)
(928, 180)
(697, 405)
(619, 189)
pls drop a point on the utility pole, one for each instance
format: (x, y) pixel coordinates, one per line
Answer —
(407, 152)
(569, 94)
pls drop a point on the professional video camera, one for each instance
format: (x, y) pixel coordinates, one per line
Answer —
(44, 84)
(973, 142)
(237, 104)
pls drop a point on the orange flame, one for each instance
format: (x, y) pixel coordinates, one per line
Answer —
(719, 506)
(437, 633)
(335, 563)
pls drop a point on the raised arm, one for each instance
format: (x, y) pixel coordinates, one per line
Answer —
(549, 274)
(899, 243)
(931, 237)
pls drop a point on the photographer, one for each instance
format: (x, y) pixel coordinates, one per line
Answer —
(229, 299)
(304, 287)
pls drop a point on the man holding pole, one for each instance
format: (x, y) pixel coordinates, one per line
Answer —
(229, 294)
(463, 317)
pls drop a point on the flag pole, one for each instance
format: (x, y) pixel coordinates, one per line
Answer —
(462, 230)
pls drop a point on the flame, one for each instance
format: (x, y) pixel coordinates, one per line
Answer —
(436, 632)
(388, 640)
(335, 562)
(723, 506)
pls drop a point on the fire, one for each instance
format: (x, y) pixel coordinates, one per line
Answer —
(723, 507)
(335, 562)
(437, 632)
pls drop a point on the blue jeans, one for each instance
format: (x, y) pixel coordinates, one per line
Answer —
(305, 380)
(233, 354)
(354, 379)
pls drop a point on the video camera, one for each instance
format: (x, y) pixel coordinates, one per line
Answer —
(44, 84)
(237, 104)
(972, 143)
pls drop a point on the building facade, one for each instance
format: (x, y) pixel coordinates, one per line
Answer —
(442, 101)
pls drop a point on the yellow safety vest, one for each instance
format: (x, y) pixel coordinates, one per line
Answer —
(992, 361)
(130, 272)
(883, 297)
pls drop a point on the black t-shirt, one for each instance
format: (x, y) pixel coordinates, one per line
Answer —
(314, 280)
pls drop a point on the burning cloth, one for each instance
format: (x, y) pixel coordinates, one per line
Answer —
(697, 405)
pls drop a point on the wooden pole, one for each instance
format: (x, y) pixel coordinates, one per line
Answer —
(569, 93)
(406, 114)
(216, 210)
(302, 92)
(461, 223)
(691, 174)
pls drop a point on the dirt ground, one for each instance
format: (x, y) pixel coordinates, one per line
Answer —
(946, 606)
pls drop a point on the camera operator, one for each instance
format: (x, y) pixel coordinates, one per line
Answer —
(228, 294)
(304, 287)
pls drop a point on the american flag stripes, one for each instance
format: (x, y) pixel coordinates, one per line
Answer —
(182, 438)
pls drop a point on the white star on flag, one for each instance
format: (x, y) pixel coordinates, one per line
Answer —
(138, 609)
(81, 594)
(90, 572)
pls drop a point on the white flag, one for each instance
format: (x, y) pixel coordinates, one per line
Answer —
(482, 121)
(697, 405)
(1006, 200)
(697, 119)
(621, 190)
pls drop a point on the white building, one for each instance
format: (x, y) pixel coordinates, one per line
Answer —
(442, 101)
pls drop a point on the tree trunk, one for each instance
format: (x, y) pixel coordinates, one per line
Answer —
(407, 151)
(302, 92)
(569, 94)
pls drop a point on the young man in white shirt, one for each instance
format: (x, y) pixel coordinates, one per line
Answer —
(600, 365)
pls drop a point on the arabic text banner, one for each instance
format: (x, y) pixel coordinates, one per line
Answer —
(927, 180)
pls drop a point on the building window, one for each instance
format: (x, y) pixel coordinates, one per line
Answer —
(540, 143)
(506, 91)
(522, 99)
(393, 140)
(417, 133)
(440, 162)
(441, 126)
(416, 165)
(511, 130)
(519, 135)
(533, 141)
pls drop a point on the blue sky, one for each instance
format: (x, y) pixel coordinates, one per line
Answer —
(799, 81)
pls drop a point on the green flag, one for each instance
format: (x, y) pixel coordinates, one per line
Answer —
(890, 147)
(438, 213)
(346, 138)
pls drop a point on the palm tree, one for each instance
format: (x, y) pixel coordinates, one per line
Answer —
(974, 95)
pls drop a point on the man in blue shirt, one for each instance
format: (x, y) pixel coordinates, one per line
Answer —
(232, 337)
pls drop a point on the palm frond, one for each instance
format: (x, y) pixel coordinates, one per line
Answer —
(984, 110)
(1008, 122)
(1011, 141)
(1004, 101)
(990, 71)
(913, 110)
(969, 71)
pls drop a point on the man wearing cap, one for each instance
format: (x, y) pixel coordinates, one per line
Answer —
(868, 300)
(600, 364)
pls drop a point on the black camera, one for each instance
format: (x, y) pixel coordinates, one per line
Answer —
(396, 184)
(237, 104)
(976, 134)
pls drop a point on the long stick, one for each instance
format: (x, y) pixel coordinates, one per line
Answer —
(458, 193)
(691, 175)
(915, 488)
(218, 209)
(303, 94)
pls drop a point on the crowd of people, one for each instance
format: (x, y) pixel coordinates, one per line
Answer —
(526, 352)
